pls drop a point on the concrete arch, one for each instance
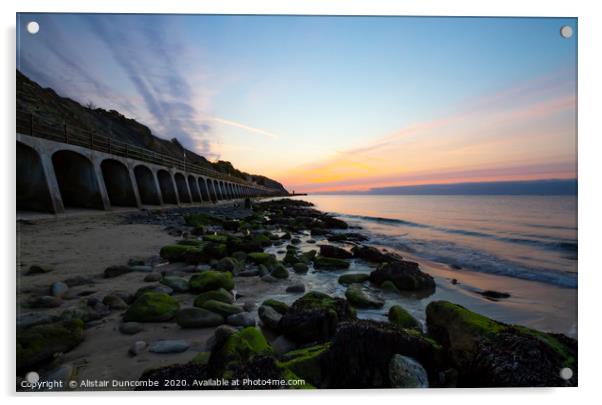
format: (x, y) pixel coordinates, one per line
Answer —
(118, 183)
(147, 186)
(194, 188)
(32, 188)
(166, 184)
(77, 180)
(213, 190)
(204, 190)
(224, 190)
(182, 188)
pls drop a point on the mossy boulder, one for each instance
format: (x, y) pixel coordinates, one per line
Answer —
(300, 268)
(181, 253)
(352, 278)
(198, 318)
(334, 251)
(38, 344)
(314, 317)
(220, 294)
(279, 271)
(228, 264)
(279, 306)
(361, 299)
(211, 280)
(361, 351)
(238, 351)
(222, 308)
(216, 238)
(307, 362)
(214, 251)
(290, 258)
(405, 275)
(330, 263)
(192, 242)
(488, 353)
(152, 307)
(400, 317)
(266, 259)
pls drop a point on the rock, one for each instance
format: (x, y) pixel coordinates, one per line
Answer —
(243, 319)
(114, 271)
(405, 372)
(58, 289)
(228, 264)
(494, 295)
(240, 256)
(153, 277)
(202, 267)
(279, 306)
(30, 319)
(178, 284)
(262, 258)
(295, 241)
(249, 306)
(361, 299)
(334, 251)
(400, 317)
(137, 347)
(314, 317)
(45, 301)
(405, 275)
(344, 237)
(222, 333)
(249, 273)
(39, 269)
(268, 278)
(152, 307)
(282, 345)
(182, 253)
(300, 268)
(142, 269)
(169, 346)
(262, 270)
(222, 308)
(211, 280)
(351, 278)
(333, 223)
(113, 301)
(390, 287)
(311, 241)
(217, 295)
(306, 363)
(351, 363)
(487, 353)
(156, 288)
(77, 281)
(198, 318)
(372, 254)
(39, 344)
(330, 263)
(296, 288)
(269, 316)
(279, 271)
(130, 328)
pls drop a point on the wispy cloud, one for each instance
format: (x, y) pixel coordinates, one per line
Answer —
(245, 127)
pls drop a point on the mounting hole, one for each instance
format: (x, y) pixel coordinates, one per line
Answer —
(566, 31)
(566, 373)
(33, 27)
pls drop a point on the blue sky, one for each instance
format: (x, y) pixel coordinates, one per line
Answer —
(320, 102)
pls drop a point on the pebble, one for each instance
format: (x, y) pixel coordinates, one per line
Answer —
(153, 277)
(243, 319)
(169, 346)
(58, 289)
(130, 328)
(137, 347)
(296, 288)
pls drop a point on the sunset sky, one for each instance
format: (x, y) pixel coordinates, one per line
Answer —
(329, 103)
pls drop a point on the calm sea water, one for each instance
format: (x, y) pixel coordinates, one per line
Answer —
(528, 237)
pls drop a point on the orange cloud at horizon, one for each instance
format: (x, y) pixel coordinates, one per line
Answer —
(525, 137)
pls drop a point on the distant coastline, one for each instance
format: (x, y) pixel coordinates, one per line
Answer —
(530, 187)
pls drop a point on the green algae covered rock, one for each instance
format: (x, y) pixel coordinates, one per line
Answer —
(38, 344)
(399, 316)
(211, 280)
(279, 306)
(361, 299)
(330, 263)
(228, 264)
(279, 271)
(306, 363)
(314, 317)
(216, 238)
(352, 278)
(266, 259)
(152, 307)
(180, 253)
(220, 294)
(237, 351)
(488, 353)
(222, 308)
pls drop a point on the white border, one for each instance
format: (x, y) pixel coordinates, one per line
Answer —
(590, 172)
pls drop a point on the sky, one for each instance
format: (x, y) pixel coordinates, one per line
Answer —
(327, 104)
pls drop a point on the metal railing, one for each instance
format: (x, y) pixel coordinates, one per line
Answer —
(29, 124)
